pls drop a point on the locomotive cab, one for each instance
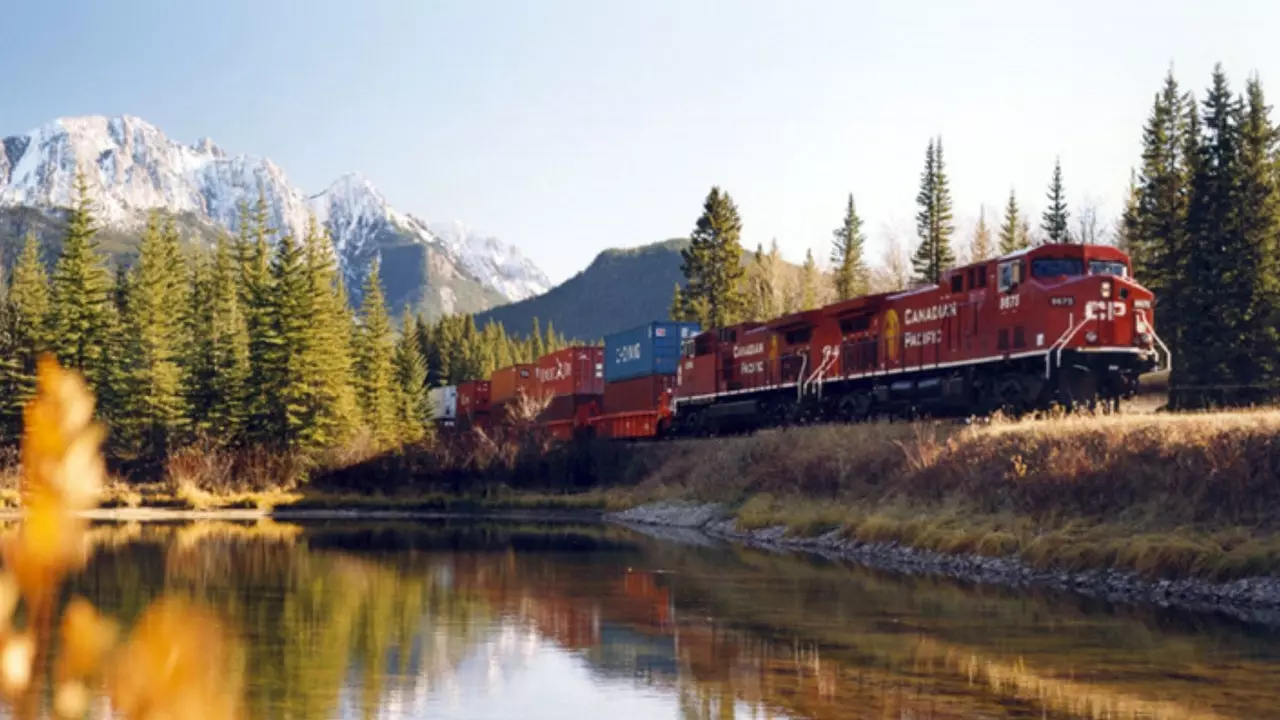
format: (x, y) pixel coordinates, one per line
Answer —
(1093, 321)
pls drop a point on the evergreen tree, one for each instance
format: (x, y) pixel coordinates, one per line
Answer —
(375, 367)
(851, 273)
(1055, 218)
(216, 372)
(412, 408)
(26, 307)
(80, 293)
(1215, 308)
(153, 331)
(336, 411)
(980, 246)
(760, 293)
(535, 336)
(1127, 225)
(289, 374)
(1013, 235)
(256, 296)
(1255, 266)
(712, 264)
(1160, 224)
(933, 220)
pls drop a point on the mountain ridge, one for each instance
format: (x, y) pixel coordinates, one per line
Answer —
(132, 168)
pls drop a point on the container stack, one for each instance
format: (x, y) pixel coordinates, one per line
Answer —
(511, 386)
(641, 367)
(473, 404)
(444, 405)
(572, 385)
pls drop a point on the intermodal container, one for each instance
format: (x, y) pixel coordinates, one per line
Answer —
(577, 370)
(569, 407)
(473, 398)
(510, 382)
(652, 349)
(444, 403)
(638, 394)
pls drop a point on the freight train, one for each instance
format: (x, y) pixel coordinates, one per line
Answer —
(1051, 325)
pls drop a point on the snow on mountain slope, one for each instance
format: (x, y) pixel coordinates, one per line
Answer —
(497, 264)
(132, 167)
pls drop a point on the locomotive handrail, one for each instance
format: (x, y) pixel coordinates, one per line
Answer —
(1168, 355)
(829, 355)
(804, 360)
(1061, 343)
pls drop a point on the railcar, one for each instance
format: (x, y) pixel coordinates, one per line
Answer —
(1055, 324)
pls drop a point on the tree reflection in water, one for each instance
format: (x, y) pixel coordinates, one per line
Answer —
(389, 621)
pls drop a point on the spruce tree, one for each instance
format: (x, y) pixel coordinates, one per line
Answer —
(712, 264)
(329, 352)
(224, 386)
(80, 292)
(1255, 265)
(933, 219)
(287, 365)
(1054, 221)
(256, 291)
(850, 267)
(153, 332)
(1159, 226)
(980, 245)
(375, 366)
(1217, 294)
(412, 408)
(1127, 224)
(27, 320)
(1013, 237)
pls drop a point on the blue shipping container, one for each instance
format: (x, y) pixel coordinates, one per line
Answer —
(652, 349)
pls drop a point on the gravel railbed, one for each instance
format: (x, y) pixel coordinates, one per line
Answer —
(1255, 599)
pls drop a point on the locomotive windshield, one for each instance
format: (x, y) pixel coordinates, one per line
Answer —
(1056, 267)
(1107, 267)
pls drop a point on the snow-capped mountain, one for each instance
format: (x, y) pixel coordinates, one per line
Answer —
(132, 167)
(499, 265)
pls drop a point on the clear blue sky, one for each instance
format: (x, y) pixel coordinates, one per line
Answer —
(568, 126)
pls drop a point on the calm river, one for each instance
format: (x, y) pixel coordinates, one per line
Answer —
(470, 619)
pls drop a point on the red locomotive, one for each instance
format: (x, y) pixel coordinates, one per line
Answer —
(1055, 324)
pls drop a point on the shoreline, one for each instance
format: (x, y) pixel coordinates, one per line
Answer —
(1253, 599)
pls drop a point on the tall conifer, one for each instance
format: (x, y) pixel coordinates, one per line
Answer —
(712, 264)
(1055, 220)
(933, 219)
(850, 267)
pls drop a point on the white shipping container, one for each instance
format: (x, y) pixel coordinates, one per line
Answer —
(444, 403)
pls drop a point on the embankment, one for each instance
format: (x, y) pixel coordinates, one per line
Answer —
(1168, 508)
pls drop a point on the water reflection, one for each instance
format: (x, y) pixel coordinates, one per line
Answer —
(485, 620)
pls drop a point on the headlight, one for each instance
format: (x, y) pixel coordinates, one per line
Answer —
(1091, 337)
(1106, 289)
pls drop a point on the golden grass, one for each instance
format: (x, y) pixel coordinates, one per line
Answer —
(1166, 495)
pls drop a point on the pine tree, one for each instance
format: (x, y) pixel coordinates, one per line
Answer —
(851, 273)
(1013, 235)
(216, 370)
(329, 353)
(1255, 265)
(535, 336)
(80, 289)
(980, 245)
(26, 319)
(287, 363)
(1217, 296)
(933, 220)
(375, 367)
(712, 264)
(153, 340)
(412, 409)
(1159, 229)
(1127, 225)
(1055, 218)
(256, 291)
(760, 293)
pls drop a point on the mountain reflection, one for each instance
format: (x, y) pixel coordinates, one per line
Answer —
(481, 619)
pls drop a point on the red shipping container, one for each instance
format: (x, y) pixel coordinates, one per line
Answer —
(510, 382)
(473, 398)
(575, 370)
(637, 394)
(568, 407)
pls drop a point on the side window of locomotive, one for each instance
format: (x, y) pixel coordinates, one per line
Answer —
(799, 337)
(1005, 276)
(982, 276)
(1057, 267)
(957, 283)
(855, 324)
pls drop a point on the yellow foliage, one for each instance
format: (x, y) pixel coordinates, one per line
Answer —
(179, 662)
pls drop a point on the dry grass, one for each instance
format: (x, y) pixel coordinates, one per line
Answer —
(1167, 495)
